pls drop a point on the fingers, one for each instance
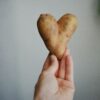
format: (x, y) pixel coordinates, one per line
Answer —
(69, 68)
(61, 72)
(53, 67)
(51, 64)
(66, 67)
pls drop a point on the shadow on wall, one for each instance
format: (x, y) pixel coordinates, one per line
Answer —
(98, 7)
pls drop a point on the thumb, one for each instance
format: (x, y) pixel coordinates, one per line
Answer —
(53, 64)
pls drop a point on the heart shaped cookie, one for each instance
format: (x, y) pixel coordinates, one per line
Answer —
(56, 34)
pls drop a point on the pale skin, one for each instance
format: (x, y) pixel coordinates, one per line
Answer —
(56, 79)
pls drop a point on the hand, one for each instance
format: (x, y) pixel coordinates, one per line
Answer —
(56, 79)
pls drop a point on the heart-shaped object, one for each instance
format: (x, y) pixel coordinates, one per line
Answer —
(56, 34)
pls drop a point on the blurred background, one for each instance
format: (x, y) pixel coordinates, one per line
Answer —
(22, 51)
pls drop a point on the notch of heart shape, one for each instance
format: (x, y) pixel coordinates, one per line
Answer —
(56, 34)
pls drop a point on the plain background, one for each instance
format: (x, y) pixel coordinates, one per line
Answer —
(22, 51)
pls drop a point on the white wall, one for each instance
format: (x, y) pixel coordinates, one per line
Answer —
(22, 51)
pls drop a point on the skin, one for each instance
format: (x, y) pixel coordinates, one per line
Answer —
(56, 34)
(56, 79)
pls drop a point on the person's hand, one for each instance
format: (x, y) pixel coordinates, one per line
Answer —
(56, 79)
